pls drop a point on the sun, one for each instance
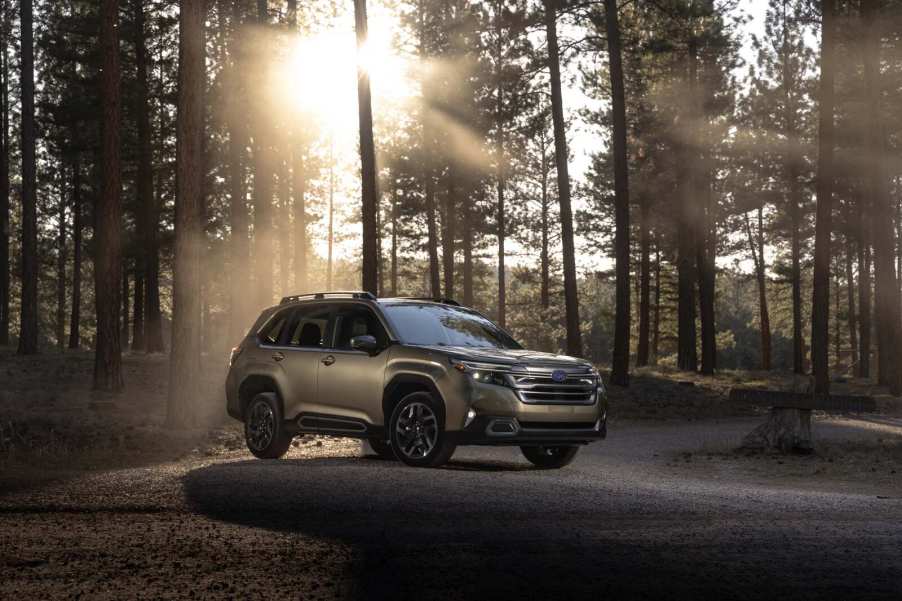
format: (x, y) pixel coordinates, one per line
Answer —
(320, 76)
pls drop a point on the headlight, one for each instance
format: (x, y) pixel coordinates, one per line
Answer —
(234, 355)
(484, 373)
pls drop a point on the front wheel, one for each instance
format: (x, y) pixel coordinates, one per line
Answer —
(417, 431)
(264, 429)
(381, 448)
(550, 458)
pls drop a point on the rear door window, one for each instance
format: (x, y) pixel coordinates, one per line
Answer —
(272, 331)
(309, 327)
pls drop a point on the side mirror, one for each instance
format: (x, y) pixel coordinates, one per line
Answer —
(365, 343)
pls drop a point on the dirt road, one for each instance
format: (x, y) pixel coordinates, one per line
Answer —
(634, 517)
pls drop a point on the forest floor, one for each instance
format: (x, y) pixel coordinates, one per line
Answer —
(99, 500)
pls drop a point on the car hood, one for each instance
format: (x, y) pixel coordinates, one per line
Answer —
(512, 357)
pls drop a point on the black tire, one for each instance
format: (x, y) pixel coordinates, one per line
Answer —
(264, 427)
(417, 431)
(381, 448)
(550, 457)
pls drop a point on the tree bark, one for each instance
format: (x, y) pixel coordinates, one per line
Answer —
(449, 233)
(687, 357)
(642, 352)
(124, 314)
(756, 246)
(886, 290)
(185, 359)
(370, 198)
(820, 318)
(545, 288)
(77, 225)
(706, 246)
(500, 164)
(4, 180)
(394, 242)
(284, 226)
(620, 363)
(571, 298)
(467, 243)
(864, 294)
(153, 318)
(28, 323)
(656, 320)
(61, 275)
(263, 182)
(850, 297)
(108, 210)
(239, 219)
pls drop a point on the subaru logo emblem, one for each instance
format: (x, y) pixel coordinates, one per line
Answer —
(558, 375)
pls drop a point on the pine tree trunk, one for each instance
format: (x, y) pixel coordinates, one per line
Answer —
(330, 236)
(77, 225)
(144, 178)
(820, 309)
(656, 320)
(61, 275)
(301, 277)
(791, 162)
(108, 211)
(4, 181)
(798, 336)
(284, 228)
(432, 237)
(705, 258)
(500, 163)
(185, 359)
(642, 352)
(545, 291)
(370, 193)
(620, 363)
(263, 182)
(571, 299)
(124, 314)
(239, 219)
(756, 245)
(886, 290)
(28, 324)
(850, 297)
(449, 232)
(687, 357)
(138, 313)
(394, 242)
(837, 324)
(467, 243)
(864, 294)
(153, 318)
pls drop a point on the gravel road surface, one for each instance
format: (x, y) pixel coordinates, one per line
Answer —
(633, 517)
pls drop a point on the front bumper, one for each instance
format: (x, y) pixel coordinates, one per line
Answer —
(497, 430)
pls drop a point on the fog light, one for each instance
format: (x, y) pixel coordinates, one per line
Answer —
(471, 415)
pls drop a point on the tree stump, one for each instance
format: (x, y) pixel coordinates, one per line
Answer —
(786, 429)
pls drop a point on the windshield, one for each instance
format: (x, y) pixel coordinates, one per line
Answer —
(445, 325)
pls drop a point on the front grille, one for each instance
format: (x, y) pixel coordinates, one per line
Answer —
(540, 389)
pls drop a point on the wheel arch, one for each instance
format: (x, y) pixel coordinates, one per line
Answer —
(403, 384)
(253, 385)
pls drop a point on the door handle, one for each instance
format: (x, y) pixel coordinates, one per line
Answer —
(278, 356)
(328, 360)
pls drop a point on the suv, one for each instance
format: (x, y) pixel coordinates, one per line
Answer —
(414, 377)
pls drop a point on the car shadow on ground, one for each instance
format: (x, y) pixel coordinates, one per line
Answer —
(499, 530)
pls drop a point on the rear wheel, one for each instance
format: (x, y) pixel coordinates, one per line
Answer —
(550, 458)
(264, 429)
(417, 431)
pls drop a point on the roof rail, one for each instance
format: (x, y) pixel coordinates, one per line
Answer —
(321, 295)
(433, 299)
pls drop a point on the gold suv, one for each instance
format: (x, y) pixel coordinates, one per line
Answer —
(415, 377)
